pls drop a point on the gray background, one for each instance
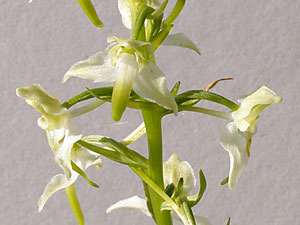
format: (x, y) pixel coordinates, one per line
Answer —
(256, 42)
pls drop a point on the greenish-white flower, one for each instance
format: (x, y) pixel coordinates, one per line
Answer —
(62, 136)
(236, 137)
(173, 170)
(129, 64)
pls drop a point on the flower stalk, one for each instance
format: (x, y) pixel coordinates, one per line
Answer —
(152, 122)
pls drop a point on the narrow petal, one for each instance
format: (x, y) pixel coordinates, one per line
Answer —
(233, 141)
(151, 84)
(97, 68)
(180, 40)
(56, 183)
(127, 69)
(134, 202)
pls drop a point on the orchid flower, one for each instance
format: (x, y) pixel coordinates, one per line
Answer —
(173, 170)
(129, 64)
(236, 137)
(62, 136)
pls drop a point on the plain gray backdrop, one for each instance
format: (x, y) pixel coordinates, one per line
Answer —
(256, 42)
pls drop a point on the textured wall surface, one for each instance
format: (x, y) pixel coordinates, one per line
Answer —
(256, 42)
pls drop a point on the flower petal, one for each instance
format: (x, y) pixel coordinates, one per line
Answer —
(151, 84)
(56, 183)
(233, 141)
(97, 68)
(252, 106)
(134, 202)
(180, 40)
(174, 169)
(127, 69)
(63, 154)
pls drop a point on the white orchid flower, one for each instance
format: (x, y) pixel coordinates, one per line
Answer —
(62, 136)
(128, 64)
(236, 137)
(173, 170)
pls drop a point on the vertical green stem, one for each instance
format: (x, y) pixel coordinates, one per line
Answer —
(153, 128)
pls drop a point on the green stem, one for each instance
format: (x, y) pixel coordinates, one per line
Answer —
(86, 108)
(153, 128)
(154, 186)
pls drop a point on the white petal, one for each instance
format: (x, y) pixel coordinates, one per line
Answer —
(63, 154)
(132, 203)
(180, 40)
(56, 183)
(252, 106)
(151, 84)
(42, 101)
(233, 141)
(97, 68)
(124, 8)
(174, 169)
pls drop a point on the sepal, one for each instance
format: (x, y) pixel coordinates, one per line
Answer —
(181, 40)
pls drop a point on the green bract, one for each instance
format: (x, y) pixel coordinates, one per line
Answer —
(62, 136)
(236, 138)
(129, 64)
